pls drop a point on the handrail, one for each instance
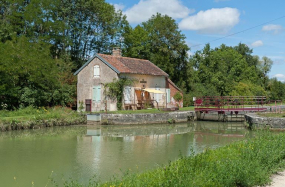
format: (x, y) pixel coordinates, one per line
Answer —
(229, 101)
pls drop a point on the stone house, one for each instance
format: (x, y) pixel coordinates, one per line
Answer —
(151, 88)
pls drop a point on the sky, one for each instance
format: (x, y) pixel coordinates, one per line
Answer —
(260, 24)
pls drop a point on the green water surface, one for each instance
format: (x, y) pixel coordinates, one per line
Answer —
(53, 155)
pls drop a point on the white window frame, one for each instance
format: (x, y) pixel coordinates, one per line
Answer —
(128, 95)
(157, 96)
(96, 71)
(168, 95)
(96, 93)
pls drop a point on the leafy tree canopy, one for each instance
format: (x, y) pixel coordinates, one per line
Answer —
(232, 71)
(160, 41)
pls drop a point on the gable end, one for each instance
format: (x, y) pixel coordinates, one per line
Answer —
(104, 61)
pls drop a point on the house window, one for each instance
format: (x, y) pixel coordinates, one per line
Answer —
(157, 96)
(168, 95)
(96, 71)
(127, 94)
(96, 93)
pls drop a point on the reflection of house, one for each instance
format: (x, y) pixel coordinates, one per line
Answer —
(152, 88)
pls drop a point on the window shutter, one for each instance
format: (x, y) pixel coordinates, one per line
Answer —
(127, 91)
(157, 97)
(96, 71)
(96, 95)
(168, 95)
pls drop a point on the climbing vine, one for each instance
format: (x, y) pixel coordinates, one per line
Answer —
(115, 90)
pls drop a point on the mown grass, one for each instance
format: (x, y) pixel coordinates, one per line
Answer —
(273, 114)
(30, 117)
(189, 108)
(246, 163)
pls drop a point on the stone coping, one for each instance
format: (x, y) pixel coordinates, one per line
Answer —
(146, 118)
(260, 122)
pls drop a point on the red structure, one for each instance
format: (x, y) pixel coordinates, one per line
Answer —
(233, 104)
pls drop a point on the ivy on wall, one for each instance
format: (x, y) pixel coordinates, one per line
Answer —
(115, 90)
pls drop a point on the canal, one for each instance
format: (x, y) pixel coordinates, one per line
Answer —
(31, 156)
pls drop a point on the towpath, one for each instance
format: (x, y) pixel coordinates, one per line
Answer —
(278, 180)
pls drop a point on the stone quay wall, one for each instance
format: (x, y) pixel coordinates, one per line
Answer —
(167, 117)
(260, 122)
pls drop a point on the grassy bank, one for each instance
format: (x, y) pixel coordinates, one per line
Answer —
(247, 163)
(273, 114)
(29, 118)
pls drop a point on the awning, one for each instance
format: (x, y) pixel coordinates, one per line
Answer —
(153, 91)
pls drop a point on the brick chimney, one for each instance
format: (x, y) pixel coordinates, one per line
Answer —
(116, 52)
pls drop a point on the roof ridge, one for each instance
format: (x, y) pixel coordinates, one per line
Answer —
(125, 65)
(112, 57)
(137, 59)
(123, 57)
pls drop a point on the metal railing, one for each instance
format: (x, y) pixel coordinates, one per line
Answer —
(230, 102)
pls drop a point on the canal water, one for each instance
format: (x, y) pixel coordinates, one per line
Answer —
(34, 157)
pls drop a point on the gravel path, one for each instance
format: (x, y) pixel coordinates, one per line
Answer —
(278, 180)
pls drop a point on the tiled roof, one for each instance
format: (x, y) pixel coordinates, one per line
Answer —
(133, 65)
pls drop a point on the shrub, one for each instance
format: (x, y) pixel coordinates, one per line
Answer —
(177, 97)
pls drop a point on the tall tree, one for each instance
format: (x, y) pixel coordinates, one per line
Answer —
(76, 28)
(160, 41)
(264, 66)
(42, 41)
(91, 26)
(277, 89)
(30, 76)
(227, 71)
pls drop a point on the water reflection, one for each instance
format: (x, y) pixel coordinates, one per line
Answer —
(106, 151)
(162, 129)
(120, 148)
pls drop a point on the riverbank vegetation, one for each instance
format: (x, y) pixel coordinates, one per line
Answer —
(250, 162)
(42, 43)
(30, 118)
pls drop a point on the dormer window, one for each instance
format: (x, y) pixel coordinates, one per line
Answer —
(96, 71)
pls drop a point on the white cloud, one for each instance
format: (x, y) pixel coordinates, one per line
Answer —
(280, 77)
(119, 6)
(213, 21)
(146, 8)
(257, 43)
(276, 29)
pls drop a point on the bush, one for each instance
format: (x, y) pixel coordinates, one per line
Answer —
(177, 97)
(188, 100)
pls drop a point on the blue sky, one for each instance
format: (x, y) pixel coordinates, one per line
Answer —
(208, 20)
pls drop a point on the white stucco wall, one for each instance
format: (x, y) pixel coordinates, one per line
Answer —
(151, 82)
